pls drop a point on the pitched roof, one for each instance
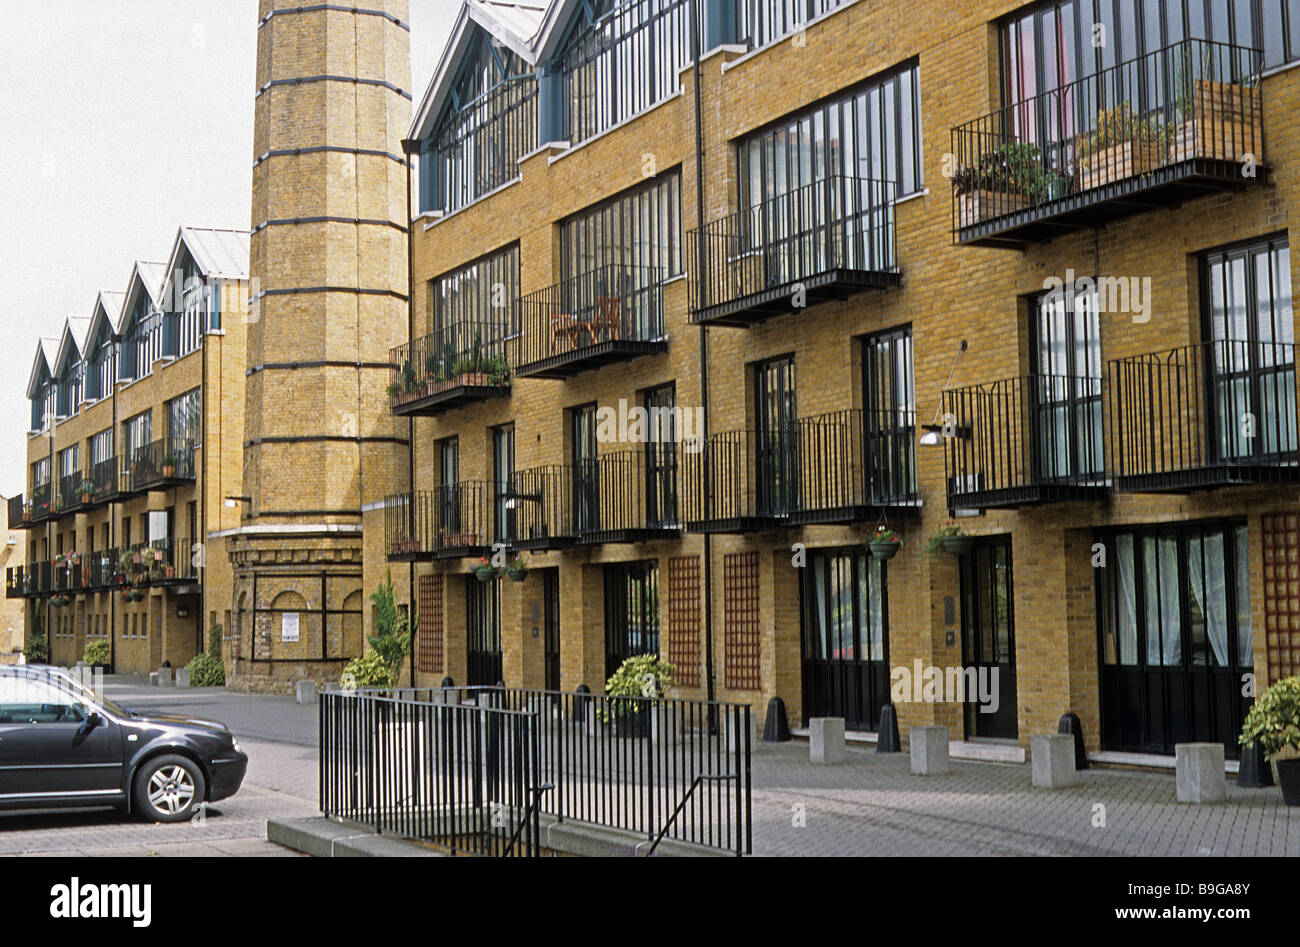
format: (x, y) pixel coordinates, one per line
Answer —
(46, 350)
(219, 254)
(517, 25)
(72, 344)
(148, 276)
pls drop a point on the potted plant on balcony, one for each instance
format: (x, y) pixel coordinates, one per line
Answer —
(1273, 724)
(484, 571)
(638, 682)
(87, 490)
(97, 654)
(951, 539)
(168, 466)
(885, 544)
(1218, 120)
(1003, 181)
(60, 601)
(517, 570)
(1122, 144)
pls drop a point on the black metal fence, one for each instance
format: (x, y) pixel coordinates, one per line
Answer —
(1195, 101)
(460, 776)
(162, 462)
(469, 354)
(1203, 412)
(1025, 439)
(610, 306)
(451, 521)
(833, 225)
(104, 477)
(656, 767)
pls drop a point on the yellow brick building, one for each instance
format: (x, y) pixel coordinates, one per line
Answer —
(135, 441)
(1019, 271)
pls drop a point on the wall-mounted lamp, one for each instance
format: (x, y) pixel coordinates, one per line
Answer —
(935, 432)
(232, 502)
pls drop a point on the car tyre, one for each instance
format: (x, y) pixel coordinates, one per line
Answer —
(169, 789)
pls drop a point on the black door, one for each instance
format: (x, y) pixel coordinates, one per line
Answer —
(483, 627)
(551, 626)
(1173, 607)
(777, 465)
(586, 472)
(989, 638)
(846, 638)
(631, 612)
(661, 457)
(47, 750)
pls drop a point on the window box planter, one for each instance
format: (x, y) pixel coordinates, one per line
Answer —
(1119, 162)
(976, 207)
(1218, 126)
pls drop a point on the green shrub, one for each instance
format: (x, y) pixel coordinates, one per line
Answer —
(1274, 722)
(392, 639)
(97, 652)
(642, 675)
(369, 670)
(206, 670)
(37, 649)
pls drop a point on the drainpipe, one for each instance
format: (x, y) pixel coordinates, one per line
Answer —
(710, 691)
(410, 147)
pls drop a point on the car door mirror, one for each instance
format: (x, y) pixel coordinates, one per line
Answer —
(92, 721)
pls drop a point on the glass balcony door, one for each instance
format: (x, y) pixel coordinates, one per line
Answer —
(777, 467)
(1066, 407)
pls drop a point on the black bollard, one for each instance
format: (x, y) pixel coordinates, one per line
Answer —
(447, 682)
(581, 697)
(1254, 772)
(1071, 724)
(776, 728)
(887, 740)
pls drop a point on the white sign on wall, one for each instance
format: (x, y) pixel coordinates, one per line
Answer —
(289, 626)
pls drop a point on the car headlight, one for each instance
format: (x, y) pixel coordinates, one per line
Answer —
(235, 745)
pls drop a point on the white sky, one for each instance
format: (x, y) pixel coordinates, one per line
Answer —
(120, 120)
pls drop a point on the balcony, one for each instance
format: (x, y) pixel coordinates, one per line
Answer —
(827, 469)
(451, 522)
(71, 494)
(34, 580)
(105, 480)
(627, 497)
(611, 314)
(827, 240)
(160, 465)
(1210, 415)
(460, 365)
(540, 502)
(1026, 441)
(18, 512)
(1153, 132)
(16, 582)
(42, 505)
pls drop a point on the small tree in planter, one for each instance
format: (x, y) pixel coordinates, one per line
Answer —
(97, 654)
(87, 491)
(951, 539)
(638, 680)
(393, 629)
(37, 650)
(1010, 178)
(169, 466)
(1273, 724)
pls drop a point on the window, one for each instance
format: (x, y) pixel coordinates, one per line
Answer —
(41, 472)
(28, 701)
(889, 415)
(631, 612)
(101, 447)
(661, 456)
(503, 468)
(625, 61)
(870, 134)
(184, 419)
(70, 388)
(138, 433)
(586, 473)
(1250, 336)
(449, 486)
(639, 232)
(1066, 360)
(490, 123)
(483, 632)
(1050, 45)
(194, 299)
(760, 22)
(777, 438)
(473, 305)
(103, 368)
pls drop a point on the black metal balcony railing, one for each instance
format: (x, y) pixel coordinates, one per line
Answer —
(845, 473)
(610, 314)
(41, 505)
(462, 363)
(17, 512)
(740, 482)
(105, 479)
(1172, 125)
(30, 581)
(626, 496)
(71, 493)
(101, 570)
(819, 241)
(16, 582)
(1023, 441)
(542, 504)
(450, 522)
(161, 464)
(1206, 415)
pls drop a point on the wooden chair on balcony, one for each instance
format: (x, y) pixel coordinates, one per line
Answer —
(603, 326)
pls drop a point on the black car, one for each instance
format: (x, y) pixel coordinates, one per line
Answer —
(63, 745)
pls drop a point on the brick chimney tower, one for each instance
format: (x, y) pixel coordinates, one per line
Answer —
(329, 273)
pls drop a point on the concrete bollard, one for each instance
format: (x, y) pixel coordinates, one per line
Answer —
(153, 678)
(165, 677)
(826, 741)
(1052, 760)
(1199, 768)
(183, 677)
(305, 692)
(929, 750)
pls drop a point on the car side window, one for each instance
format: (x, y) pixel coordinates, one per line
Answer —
(30, 701)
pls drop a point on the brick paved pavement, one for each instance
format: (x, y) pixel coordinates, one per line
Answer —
(872, 805)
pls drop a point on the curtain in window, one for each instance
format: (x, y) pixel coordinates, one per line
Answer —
(1208, 587)
(1126, 615)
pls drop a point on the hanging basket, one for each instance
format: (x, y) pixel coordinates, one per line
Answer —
(516, 575)
(884, 550)
(957, 545)
(485, 575)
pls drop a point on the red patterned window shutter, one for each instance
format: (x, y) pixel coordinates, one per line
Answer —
(740, 629)
(429, 655)
(684, 619)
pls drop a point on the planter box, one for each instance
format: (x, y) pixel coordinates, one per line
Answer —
(975, 207)
(459, 540)
(1226, 124)
(1119, 162)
